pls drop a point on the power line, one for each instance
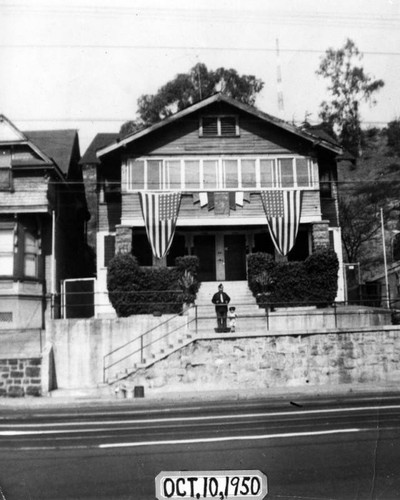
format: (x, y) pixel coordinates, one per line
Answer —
(177, 47)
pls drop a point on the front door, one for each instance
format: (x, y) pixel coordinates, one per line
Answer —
(204, 245)
(235, 257)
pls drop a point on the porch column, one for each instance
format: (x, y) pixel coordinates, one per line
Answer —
(123, 239)
(320, 236)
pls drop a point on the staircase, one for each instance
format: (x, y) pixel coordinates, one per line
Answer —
(250, 316)
(250, 319)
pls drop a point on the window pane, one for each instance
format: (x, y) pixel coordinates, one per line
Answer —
(302, 172)
(267, 173)
(30, 265)
(6, 252)
(6, 265)
(248, 173)
(30, 255)
(286, 168)
(173, 173)
(192, 174)
(136, 175)
(154, 174)
(5, 158)
(5, 178)
(231, 173)
(6, 240)
(210, 174)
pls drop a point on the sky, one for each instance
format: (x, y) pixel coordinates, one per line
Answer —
(82, 64)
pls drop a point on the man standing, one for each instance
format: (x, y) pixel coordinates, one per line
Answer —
(221, 301)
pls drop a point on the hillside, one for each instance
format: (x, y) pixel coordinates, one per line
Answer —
(369, 184)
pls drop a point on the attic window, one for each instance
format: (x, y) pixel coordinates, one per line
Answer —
(219, 126)
(5, 170)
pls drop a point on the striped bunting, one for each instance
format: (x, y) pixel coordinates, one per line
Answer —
(282, 208)
(160, 212)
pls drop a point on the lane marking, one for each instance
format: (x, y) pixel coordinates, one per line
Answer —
(233, 438)
(200, 418)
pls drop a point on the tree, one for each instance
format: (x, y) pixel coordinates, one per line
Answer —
(188, 88)
(349, 86)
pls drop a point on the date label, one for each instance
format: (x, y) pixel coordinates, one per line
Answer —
(224, 485)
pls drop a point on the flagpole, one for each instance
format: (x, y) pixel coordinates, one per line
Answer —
(385, 262)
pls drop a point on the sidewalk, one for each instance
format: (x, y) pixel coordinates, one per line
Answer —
(96, 397)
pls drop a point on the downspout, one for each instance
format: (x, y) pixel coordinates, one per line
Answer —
(53, 261)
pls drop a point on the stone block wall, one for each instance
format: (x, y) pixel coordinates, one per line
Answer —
(20, 377)
(320, 236)
(329, 358)
(123, 241)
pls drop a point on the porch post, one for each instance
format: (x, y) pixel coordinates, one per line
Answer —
(320, 236)
(123, 239)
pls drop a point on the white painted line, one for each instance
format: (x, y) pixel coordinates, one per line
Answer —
(233, 438)
(202, 418)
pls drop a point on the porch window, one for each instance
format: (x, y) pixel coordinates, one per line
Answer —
(154, 174)
(267, 173)
(213, 173)
(210, 172)
(6, 252)
(286, 172)
(192, 174)
(136, 174)
(248, 173)
(230, 174)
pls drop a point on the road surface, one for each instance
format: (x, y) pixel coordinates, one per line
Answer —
(308, 449)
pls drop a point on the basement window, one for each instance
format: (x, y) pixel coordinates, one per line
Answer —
(219, 126)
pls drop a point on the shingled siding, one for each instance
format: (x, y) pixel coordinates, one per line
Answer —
(189, 210)
(20, 377)
(27, 192)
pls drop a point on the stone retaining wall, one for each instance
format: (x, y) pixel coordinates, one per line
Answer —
(367, 355)
(20, 377)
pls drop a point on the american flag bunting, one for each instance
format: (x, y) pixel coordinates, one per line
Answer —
(160, 213)
(282, 209)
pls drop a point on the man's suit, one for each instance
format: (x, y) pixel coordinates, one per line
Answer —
(221, 301)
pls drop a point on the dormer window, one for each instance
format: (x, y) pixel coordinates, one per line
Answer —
(219, 126)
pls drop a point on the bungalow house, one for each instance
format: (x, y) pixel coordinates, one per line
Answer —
(42, 222)
(219, 180)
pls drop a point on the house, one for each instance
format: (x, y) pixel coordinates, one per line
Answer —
(43, 214)
(219, 180)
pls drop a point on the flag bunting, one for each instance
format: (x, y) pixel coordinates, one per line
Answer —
(282, 209)
(160, 213)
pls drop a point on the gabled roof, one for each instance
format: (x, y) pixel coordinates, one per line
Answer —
(309, 136)
(57, 144)
(100, 141)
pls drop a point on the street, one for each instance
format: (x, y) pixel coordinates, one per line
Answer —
(325, 449)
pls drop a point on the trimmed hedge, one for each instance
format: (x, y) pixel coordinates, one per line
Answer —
(146, 290)
(289, 284)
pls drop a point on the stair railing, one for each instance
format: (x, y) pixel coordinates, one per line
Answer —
(143, 346)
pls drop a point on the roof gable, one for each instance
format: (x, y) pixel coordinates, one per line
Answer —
(100, 141)
(57, 144)
(202, 105)
(9, 132)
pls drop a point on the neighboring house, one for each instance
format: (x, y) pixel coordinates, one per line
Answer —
(376, 289)
(43, 214)
(217, 171)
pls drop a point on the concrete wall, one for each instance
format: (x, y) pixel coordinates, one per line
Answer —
(332, 357)
(79, 346)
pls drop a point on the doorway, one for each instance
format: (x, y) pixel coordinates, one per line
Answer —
(222, 256)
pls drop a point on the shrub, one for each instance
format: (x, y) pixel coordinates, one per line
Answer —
(188, 268)
(313, 281)
(145, 290)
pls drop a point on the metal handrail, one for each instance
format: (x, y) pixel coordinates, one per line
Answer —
(142, 346)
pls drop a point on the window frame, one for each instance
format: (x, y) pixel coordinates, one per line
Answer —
(220, 177)
(10, 253)
(219, 128)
